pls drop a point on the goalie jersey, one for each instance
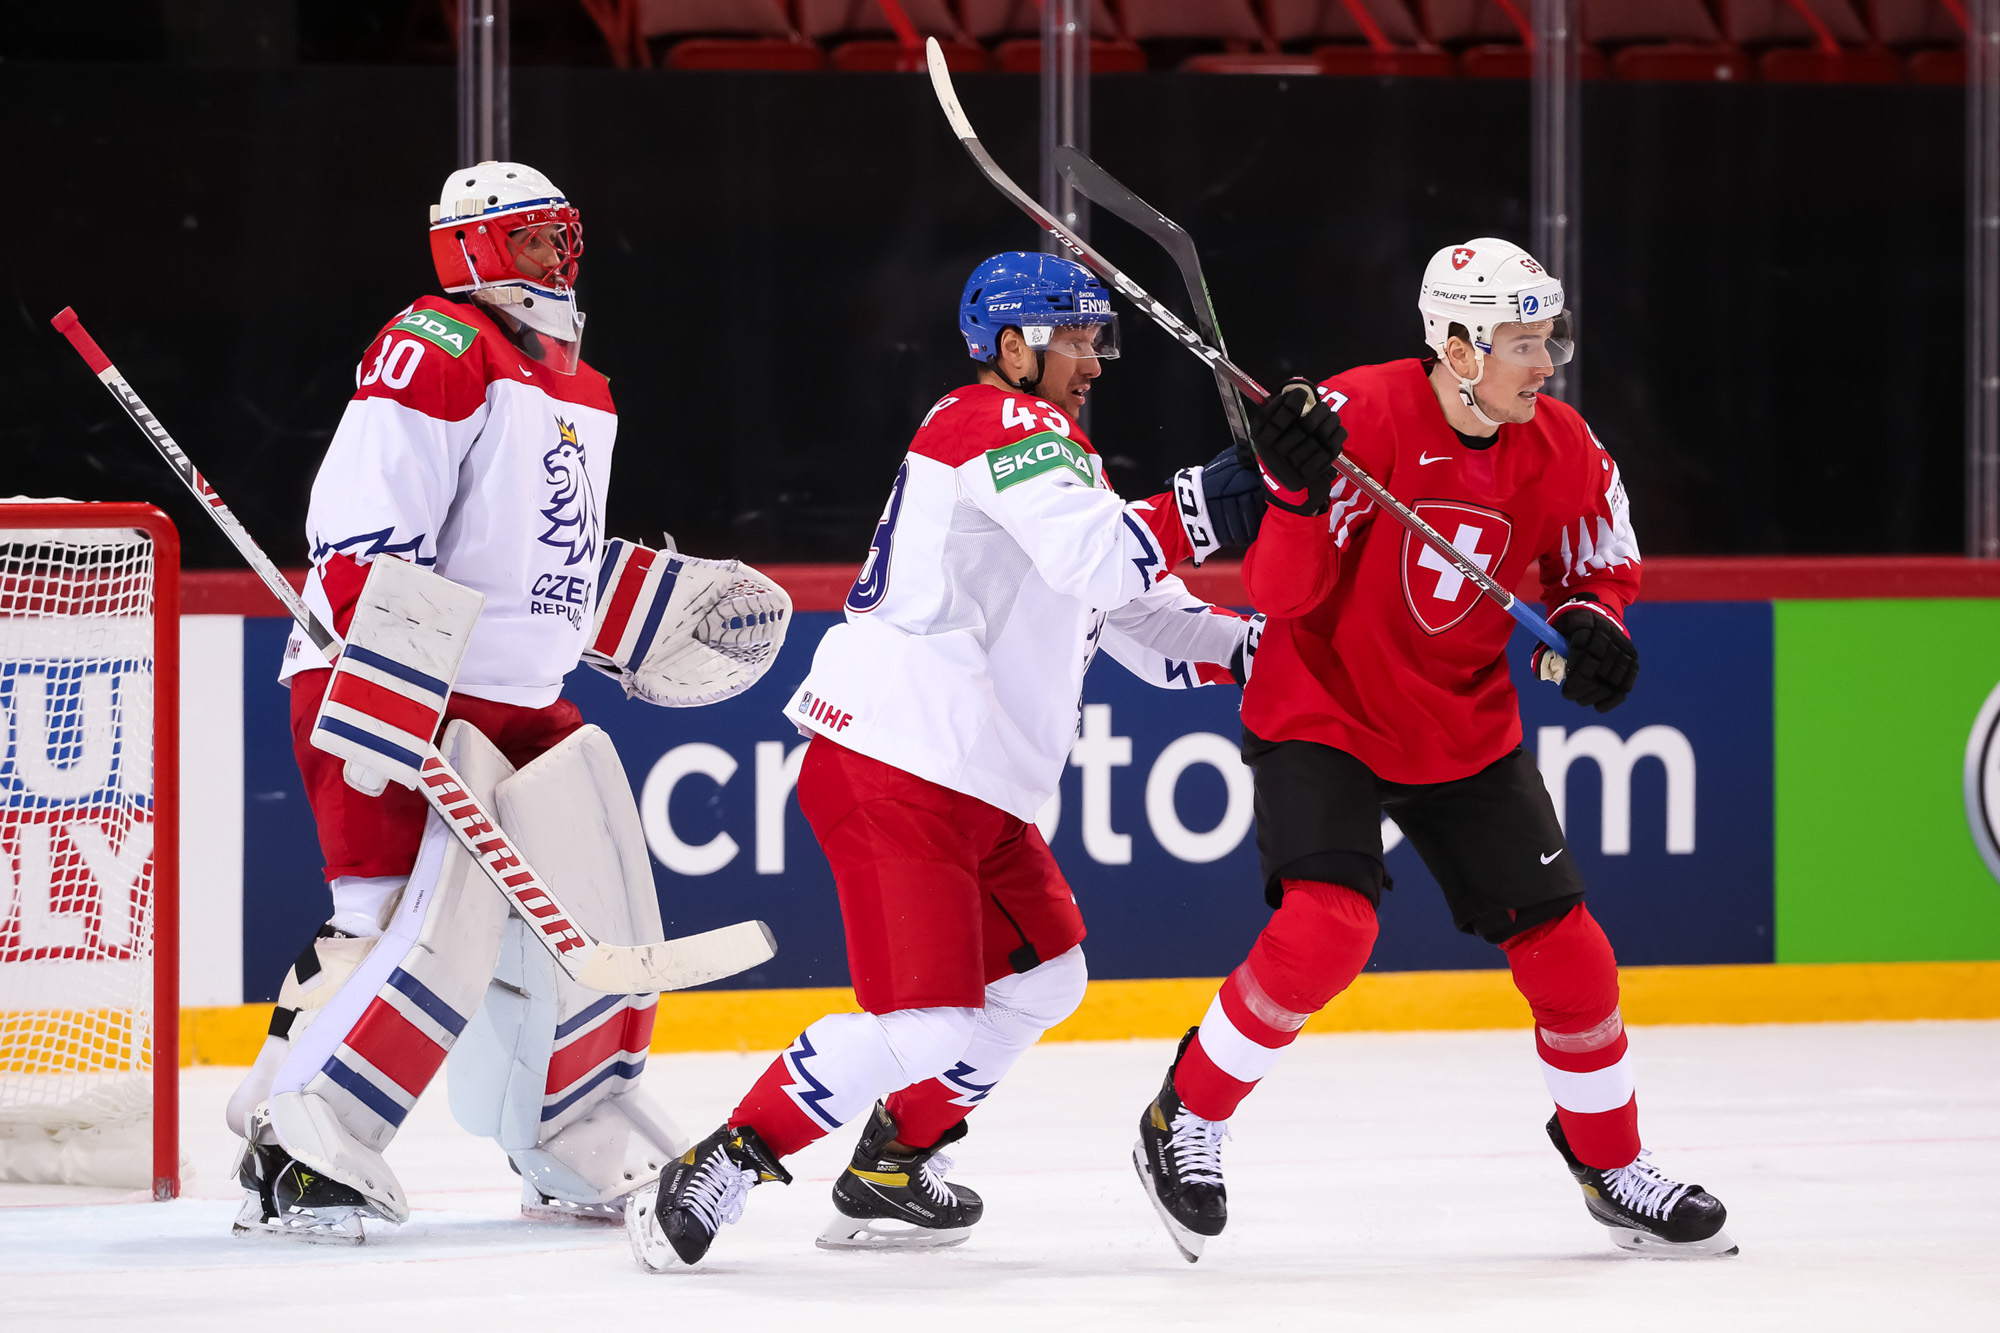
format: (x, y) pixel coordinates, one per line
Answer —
(1002, 562)
(463, 455)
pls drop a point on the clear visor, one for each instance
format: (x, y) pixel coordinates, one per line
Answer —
(1548, 342)
(1098, 339)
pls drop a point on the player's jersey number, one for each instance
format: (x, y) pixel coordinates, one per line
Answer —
(1013, 415)
(871, 585)
(395, 362)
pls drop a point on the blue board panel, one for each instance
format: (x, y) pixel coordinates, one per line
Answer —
(1153, 913)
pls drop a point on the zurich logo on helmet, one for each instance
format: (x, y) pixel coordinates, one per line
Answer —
(1530, 304)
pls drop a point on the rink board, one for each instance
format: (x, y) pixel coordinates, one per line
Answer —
(1778, 789)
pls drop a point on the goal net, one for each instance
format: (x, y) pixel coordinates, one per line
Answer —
(89, 598)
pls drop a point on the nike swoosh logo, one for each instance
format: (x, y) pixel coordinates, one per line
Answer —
(1424, 460)
(1552, 856)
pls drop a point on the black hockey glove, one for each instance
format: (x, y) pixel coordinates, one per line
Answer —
(1221, 503)
(1297, 438)
(1603, 665)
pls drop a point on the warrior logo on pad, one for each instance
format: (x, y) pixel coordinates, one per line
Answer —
(1438, 595)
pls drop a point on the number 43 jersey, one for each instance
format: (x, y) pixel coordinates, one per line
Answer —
(460, 453)
(1379, 647)
(1001, 563)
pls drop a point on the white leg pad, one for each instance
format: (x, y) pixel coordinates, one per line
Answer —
(353, 1076)
(547, 1068)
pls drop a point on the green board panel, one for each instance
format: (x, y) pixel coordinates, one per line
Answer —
(1875, 701)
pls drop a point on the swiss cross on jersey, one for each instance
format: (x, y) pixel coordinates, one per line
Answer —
(1438, 595)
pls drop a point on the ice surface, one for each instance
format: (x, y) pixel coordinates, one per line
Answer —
(1376, 1181)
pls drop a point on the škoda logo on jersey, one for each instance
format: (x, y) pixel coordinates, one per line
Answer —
(497, 854)
(1438, 593)
(441, 330)
(1046, 452)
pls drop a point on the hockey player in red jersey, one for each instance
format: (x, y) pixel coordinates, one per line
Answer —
(941, 714)
(477, 444)
(1381, 685)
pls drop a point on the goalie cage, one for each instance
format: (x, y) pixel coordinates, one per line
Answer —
(89, 824)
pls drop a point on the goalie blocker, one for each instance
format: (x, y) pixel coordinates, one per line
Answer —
(679, 631)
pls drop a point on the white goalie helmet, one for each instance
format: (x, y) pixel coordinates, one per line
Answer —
(1481, 285)
(503, 232)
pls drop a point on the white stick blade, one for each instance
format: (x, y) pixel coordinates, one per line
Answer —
(691, 960)
(946, 96)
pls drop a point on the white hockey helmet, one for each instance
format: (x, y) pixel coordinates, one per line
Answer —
(480, 226)
(1481, 285)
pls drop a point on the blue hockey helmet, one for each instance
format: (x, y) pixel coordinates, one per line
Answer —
(1037, 294)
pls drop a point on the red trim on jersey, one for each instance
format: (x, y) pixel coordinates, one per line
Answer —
(969, 421)
(341, 579)
(452, 388)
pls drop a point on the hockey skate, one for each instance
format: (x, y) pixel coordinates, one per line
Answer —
(539, 1207)
(889, 1200)
(1179, 1160)
(283, 1198)
(672, 1221)
(1648, 1211)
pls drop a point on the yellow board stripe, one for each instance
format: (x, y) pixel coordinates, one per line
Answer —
(767, 1020)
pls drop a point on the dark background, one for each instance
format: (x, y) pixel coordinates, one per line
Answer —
(1771, 302)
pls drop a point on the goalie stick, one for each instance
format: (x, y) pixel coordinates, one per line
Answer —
(615, 969)
(1220, 364)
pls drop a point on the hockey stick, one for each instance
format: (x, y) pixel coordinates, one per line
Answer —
(1099, 186)
(1219, 363)
(615, 969)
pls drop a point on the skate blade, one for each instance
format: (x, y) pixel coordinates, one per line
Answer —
(579, 1214)
(649, 1244)
(1718, 1246)
(1189, 1243)
(327, 1227)
(877, 1233)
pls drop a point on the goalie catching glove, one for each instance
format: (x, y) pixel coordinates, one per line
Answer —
(681, 632)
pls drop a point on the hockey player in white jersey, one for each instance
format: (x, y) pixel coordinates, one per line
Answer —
(478, 445)
(941, 715)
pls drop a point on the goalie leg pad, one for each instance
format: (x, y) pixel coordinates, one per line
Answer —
(353, 1076)
(314, 978)
(549, 1069)
(396, 669)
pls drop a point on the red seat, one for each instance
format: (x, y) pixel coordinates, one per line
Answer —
(1929, 37)
(875, 56)
(1806, 64)
(1937, 66)
(772, 53)
(1517, 62)
(1682, 62)
(1402, 63)
(1023, 55)
(1485, 40)
(1170, 31)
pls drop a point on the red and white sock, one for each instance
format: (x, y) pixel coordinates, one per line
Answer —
(1567, 971)
(1314, 946)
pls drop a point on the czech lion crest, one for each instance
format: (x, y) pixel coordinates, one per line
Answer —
(572, 510)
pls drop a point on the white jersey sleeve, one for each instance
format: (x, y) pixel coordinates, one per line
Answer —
(1173, 639)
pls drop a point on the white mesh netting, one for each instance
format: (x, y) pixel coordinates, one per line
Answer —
(76, 868)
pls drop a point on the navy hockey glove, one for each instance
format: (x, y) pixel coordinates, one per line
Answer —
(1602, 663)
(1244, 659)
(1221, 503)
(1297, 438)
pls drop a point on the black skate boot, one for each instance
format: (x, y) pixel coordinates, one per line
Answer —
(1179, 1159)
(1648, 1211)
(898, 1200)
(672, 1221)
(286, 1198)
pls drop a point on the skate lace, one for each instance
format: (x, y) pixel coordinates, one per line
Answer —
(1197, 1148)
(717, 1194)
(1644, 1188)
(931, 1177)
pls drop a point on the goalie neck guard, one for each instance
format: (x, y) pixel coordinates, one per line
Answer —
(1481, 285)
(505, 233)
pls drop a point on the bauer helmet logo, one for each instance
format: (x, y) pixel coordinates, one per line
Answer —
(1461, 257)
(1982, 783)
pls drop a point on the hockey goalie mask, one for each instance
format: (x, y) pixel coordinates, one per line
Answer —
(505, 233)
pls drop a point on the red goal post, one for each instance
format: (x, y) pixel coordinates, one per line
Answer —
(89, 845)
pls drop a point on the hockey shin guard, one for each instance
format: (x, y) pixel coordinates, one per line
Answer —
(842, 1065)
(1566, 970)
(1019, 1009)
(1316, 943)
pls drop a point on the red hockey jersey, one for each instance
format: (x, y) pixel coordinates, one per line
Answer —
(1375, 644)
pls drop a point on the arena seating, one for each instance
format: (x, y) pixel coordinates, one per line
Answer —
(1774, 41)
